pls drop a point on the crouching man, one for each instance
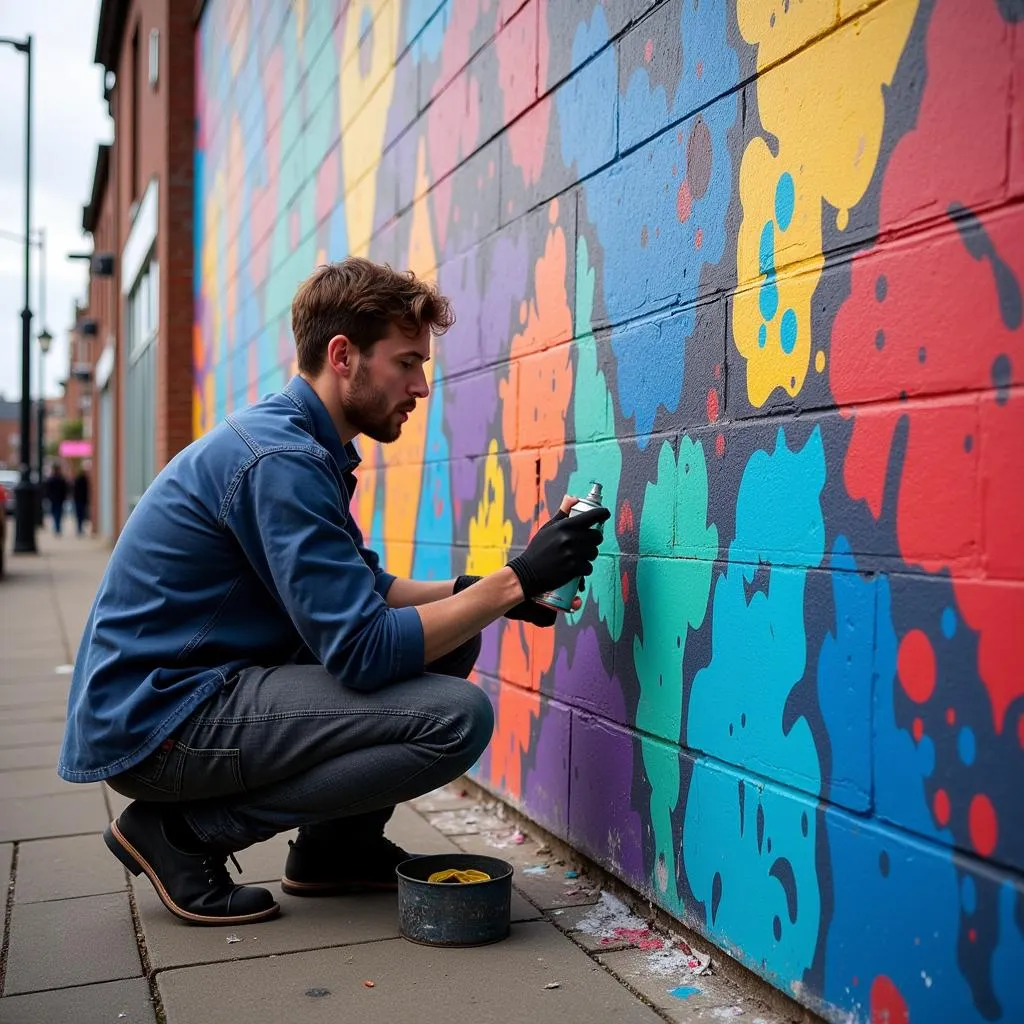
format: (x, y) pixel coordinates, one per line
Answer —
(248, 667)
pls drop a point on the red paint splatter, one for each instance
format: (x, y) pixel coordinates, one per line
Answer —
(940, 805)
(625, 588)
(643, 237)
(698, 239)
(950, 716)
(718, 371)
(947, 497)
(918, 730)
(684, 202)
(720, 445)
(648, 51)
(700, 69)
(915, 666)
(1020, 730)
(887, 1003)
(972, 935)
(983, 824)
(713, 406)
(626, 523)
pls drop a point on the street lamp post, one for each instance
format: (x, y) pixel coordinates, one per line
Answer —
(45, 340)
(24, 493)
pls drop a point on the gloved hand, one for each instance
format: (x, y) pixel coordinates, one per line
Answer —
(527, 610)
(564, 549)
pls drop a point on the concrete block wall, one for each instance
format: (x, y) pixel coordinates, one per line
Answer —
(755, 265)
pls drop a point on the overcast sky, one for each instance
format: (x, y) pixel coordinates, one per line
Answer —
(69, 120)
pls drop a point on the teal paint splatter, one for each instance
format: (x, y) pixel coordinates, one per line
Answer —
(673, 595)
(788, 331)
(594, 420)
(749, 853)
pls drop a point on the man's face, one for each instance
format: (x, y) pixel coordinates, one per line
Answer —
(385, 385)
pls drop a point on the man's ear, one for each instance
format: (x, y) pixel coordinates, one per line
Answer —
(339, 355)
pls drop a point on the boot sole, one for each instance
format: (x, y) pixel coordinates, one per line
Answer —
(123, 850)
(293, 888)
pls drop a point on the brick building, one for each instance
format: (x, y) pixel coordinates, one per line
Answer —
(134, 338)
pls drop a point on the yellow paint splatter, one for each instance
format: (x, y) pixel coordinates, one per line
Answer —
(826, 110)
(819, 361)
(366, 88)
(490, 532)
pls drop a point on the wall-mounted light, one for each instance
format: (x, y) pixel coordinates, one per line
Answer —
(154, 57)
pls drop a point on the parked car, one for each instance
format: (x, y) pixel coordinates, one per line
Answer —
(8, 481)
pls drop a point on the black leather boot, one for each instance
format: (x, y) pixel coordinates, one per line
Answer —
(328, 862)
(194, 886)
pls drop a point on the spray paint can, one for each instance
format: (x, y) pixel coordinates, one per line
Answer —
(561, 599)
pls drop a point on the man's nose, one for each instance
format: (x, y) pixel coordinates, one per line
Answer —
(420, 388)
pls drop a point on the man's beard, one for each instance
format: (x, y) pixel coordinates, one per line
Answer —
(366, 409)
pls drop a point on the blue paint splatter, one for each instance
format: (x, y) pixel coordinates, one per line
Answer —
(785, 200)
(966, 745)
(969, 894)
(683, 991)
(789, 331)
(948, 623)
(642, 188)
(762, 336)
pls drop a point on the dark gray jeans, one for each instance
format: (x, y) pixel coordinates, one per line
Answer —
(288, 746)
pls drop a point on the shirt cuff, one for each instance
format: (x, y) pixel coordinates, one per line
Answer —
(383, 581)
(410, 648)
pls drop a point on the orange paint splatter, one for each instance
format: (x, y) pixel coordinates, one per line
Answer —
(713, 406)
(534, 411)
(720, 445)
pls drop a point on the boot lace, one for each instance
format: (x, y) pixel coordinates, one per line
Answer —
(216, 868)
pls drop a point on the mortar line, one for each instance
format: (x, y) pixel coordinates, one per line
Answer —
(8, 916)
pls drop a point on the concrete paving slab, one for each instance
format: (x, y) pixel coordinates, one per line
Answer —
(504, 982)
(304, 923)
(59, 869)
(449, 798)
(71, 942)
(20, 783)
(413, 833)
(60, 814)
(6, 857)
(18, 693)
(29, 757)
(547, 887)
(112, 1002)
(465, 821)
(684, 997)
(28, 734)
(36, 713)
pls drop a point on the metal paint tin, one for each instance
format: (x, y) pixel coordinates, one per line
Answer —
(561, 599)
(443, 914)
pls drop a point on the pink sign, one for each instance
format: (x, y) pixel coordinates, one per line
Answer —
(75, 450)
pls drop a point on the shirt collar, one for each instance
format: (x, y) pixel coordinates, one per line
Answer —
(324, 430)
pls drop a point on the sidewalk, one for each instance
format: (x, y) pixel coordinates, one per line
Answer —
(82, 942)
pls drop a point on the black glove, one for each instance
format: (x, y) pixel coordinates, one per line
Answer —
(525, 611)
(563, 549)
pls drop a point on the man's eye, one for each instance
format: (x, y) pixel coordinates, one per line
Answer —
(407, 363)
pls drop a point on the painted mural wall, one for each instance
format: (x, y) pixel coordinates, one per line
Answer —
(755, 265)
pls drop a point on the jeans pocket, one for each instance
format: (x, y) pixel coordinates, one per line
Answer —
(157, 775)
(211, 772)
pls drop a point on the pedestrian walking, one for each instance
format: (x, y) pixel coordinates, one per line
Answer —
(80, 494)
(56, 495)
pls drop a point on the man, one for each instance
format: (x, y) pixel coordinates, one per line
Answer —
(248, 667)
(57, 495)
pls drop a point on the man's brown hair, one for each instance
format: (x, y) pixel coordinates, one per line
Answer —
(362, 299)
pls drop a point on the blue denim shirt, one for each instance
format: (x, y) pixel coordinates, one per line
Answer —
(241, 552)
